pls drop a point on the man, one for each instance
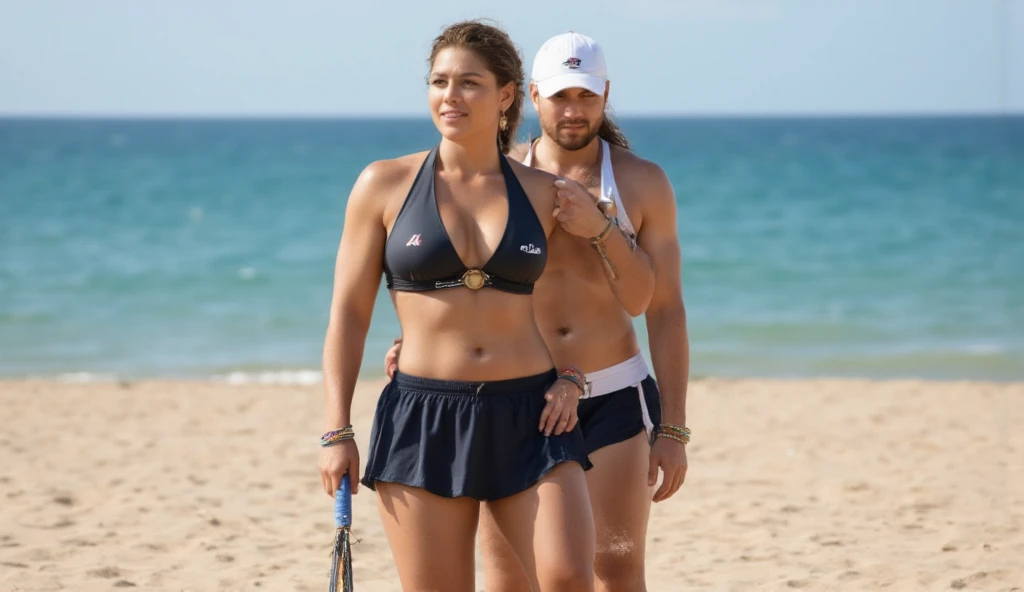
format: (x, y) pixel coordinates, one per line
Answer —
(598, 276)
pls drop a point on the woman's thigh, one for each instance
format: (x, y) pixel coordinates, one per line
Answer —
(431, 537)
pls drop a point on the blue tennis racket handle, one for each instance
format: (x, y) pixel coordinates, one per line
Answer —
(343, 504)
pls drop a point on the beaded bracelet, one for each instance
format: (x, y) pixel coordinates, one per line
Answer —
(336, 440)
(575, 372)
(334, 437)
(597, 240)
(672, 436)
(677, 433)
(576, 377)
(683, 430)
(572, 378)
(345, 430)
(598, 243)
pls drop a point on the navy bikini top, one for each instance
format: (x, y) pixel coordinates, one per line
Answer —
(419, 256)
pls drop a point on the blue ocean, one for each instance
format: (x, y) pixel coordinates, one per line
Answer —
(879, 247)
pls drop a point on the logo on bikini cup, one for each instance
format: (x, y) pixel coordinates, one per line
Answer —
(414, 241)
(530, 249)
(573, 63)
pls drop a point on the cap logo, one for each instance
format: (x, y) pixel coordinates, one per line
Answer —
(573, 63)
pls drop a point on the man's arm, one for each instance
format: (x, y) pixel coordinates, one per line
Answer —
(627, 267)
(666, 326)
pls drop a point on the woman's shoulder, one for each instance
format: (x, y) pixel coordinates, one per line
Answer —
(382, 185)
(382, 174)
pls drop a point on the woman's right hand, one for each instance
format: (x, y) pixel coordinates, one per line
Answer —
(337, 460)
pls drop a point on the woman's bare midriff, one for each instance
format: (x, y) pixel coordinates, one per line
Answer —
(462, 334)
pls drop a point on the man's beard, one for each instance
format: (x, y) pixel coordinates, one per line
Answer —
(575, 142)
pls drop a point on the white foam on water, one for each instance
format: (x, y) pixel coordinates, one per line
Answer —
(984, 348)
(84, 377)
(282, 377)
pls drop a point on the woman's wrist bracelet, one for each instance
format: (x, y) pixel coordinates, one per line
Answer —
(335, 437)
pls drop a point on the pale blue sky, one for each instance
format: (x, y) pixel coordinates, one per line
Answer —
(323, 57)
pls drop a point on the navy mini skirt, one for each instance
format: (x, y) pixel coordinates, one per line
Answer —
(473, 439)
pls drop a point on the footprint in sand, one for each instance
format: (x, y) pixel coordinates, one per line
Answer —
(857, 487)
(104, 572)
(60, 523)
(210, 501)
(962, 583)
(40, 555)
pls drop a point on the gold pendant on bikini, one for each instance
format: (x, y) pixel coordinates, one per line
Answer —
(474, 279)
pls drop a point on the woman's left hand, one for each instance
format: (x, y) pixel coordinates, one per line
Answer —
(560, 414)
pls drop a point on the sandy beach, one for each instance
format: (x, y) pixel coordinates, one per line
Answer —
(809, 484)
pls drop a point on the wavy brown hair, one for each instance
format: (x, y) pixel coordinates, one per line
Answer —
(502, 57)
(611, 133)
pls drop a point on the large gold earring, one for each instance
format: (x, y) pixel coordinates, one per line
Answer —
(503, 122)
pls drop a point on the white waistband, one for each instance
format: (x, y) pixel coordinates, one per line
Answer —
(627, 373)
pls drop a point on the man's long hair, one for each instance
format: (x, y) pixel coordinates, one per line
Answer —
(611, 133)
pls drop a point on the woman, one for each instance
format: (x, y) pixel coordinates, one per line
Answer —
(477, 411)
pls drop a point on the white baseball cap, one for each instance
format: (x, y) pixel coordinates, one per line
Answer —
(569, 60)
